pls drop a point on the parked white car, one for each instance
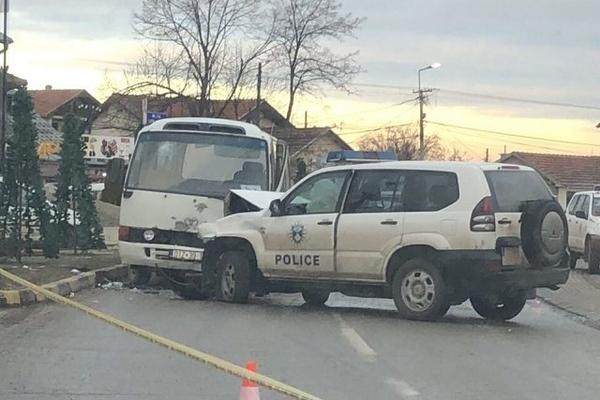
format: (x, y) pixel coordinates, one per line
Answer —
(583, 216)
(427, 234)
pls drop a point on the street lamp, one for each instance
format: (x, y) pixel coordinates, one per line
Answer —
(421, 115)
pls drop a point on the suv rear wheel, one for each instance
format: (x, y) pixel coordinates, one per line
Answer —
(419, 290)
(233, 276)
(315, 297)
(502, 309)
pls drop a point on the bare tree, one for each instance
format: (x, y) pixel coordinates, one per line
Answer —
(405, 143)
(200, 48)
(303, 27)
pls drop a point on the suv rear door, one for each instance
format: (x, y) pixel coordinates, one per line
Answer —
(511, 186)
(370, 223)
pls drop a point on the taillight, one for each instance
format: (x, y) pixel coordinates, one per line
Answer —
(482, 218)
(124, 233)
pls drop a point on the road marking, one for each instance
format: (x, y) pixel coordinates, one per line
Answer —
(190, 352)
(356, 340)
(402, 388)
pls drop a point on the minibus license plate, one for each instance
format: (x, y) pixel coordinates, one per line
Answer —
(186, 255)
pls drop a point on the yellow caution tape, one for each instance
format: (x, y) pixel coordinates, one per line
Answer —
(216, 362)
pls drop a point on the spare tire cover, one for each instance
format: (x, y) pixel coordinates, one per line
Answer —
(544, 233)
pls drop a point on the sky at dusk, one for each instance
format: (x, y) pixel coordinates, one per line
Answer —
(522, 49)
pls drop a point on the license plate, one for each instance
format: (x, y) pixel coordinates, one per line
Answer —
(186, 255)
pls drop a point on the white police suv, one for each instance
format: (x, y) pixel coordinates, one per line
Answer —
(427, 234)
(583, 216)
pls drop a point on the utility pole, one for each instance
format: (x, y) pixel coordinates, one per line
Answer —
(487, 155)
(421, 93)
(4, 71)
(258, 87)
(305, 119)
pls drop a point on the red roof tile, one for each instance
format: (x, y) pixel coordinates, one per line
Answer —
(573, 172)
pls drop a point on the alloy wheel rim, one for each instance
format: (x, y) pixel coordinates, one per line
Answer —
(418, 290)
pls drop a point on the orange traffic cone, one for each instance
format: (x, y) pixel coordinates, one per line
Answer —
(249, 389)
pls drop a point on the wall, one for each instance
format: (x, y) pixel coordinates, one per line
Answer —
(562, 197)
(315, 155)
(116, 121)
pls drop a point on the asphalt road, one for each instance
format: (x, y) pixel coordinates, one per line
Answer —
(353, 349)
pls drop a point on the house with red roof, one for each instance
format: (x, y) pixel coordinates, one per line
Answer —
(564, 174)
(53, 104)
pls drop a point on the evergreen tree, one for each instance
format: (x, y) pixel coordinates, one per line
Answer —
(74, 192)
(24, 199)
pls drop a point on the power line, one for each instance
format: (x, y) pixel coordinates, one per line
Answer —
(486, 96)
(371, 110)
(520, 100)
(534, 146)
(512, 134)
(375, 129)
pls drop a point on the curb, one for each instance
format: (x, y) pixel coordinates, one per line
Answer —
(63, 287)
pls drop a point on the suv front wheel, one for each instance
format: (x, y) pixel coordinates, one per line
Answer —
(419, 290)
(502, 309)
(233, 277)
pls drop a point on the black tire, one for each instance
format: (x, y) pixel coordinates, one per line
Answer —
(592, 247)
(315, 297)
(419, 290)
(233, 276)
(544, 233)
(507, 308)
(573, 257)
(140, 276)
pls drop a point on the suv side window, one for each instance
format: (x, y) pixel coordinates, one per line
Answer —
(573, 204)
(318, 195)
(429, 191)
(375, 191)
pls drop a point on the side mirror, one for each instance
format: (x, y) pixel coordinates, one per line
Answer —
(580, 214)
(275, 208)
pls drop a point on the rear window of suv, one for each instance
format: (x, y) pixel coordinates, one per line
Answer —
(511, 188)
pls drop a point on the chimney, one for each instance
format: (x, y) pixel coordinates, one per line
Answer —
(48, 87)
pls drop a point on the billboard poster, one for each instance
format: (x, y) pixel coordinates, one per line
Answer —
(107, 147)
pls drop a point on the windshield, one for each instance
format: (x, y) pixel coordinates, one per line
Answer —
(511, 188)
(198, 164)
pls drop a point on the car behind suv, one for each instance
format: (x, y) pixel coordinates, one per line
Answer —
(583, 216)
(427, 234)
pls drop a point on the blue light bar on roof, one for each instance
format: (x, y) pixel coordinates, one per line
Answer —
(360, 156)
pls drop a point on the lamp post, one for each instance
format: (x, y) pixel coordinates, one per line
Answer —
(421, 115)
(5, 42)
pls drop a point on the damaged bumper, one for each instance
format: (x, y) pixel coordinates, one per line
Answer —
(162, 256)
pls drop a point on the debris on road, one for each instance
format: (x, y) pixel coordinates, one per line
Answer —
(113, 285)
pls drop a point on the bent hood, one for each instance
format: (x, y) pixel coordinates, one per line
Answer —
(258, 198)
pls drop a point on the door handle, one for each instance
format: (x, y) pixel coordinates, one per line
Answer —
(389, 222)
(505, 221)
(325, 222)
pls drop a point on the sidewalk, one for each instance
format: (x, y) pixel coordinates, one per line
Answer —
(580, 295)
(40, 270)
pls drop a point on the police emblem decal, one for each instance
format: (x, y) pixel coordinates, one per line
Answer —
(297, 233)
